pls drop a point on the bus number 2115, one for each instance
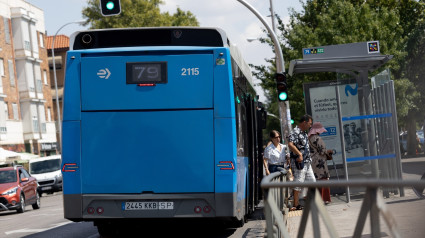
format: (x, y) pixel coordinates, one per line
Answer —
(190, 71)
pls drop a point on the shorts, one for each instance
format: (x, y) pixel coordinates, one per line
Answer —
(305, 174)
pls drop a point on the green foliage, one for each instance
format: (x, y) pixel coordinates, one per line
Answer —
(398, 25)
(137, 13)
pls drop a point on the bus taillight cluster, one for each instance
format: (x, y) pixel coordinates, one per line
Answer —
(98, 210)
(198, 209)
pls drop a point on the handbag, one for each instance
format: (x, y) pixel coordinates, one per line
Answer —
(299, 165)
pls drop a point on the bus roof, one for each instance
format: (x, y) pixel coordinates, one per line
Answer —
(148, 36)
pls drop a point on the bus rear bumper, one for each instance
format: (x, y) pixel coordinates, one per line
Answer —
(92, 207)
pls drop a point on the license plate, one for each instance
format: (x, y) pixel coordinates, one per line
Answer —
(46, 188)
(128, 206)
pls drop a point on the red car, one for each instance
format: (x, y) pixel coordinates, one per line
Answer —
(17, 189)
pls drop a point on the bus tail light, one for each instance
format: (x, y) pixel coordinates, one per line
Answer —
(100, 210)
(207, 209)
(90, 210)
(198, 209)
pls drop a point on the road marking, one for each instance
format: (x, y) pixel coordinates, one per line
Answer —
(27, 230)
(43, 214)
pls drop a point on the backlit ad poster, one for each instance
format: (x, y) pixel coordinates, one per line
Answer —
(322, 104)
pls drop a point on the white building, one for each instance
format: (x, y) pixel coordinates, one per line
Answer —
(26, 120)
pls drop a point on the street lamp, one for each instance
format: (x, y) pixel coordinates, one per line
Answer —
(285, 115)
(56, 81)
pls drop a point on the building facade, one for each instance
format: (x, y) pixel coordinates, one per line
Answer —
(26, 108)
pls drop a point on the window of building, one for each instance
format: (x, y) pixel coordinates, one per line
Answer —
(39, 84)
(2, 74)
(15, 111)
(30, 76)
(42, 118)
(41, 40)
(6, 30)
(1, 67)
(27, 45)
(3, 117)
(11, 73)
(6, 111)
(49, 114)
(45, 77)
(33, 38)
(35, 125)
(26, 35)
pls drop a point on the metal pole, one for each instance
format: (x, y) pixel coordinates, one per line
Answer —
(343, 155)
(395, 136)
(281, 106)
(272, 15)
(280, 68)
(56, 81)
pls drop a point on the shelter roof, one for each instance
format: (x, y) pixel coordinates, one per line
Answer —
(362, 56)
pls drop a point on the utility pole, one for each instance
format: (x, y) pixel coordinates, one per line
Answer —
(284, 112)
(56, 82)
(282, 108)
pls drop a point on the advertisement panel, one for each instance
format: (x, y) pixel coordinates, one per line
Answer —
(322, 104)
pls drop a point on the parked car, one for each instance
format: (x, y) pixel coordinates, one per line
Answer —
(403, 140)
(420, 134)
(17, 189)
(47, 171)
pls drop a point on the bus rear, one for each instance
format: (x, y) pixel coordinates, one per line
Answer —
(149, 128)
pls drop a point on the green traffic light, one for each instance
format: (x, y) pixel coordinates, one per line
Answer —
(110, 5)
(283, 96)
(292, 121)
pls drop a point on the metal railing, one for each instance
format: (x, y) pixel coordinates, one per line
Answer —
(275, 189)
(276, 203)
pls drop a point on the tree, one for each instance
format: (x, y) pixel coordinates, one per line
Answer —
(398, 25)
(137, 13)
(410, 109)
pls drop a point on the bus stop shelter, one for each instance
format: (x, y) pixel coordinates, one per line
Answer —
(359, 114)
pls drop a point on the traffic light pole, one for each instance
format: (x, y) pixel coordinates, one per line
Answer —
(284, 112)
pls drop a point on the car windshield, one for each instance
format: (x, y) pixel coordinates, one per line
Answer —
(8, 176)
(45, 166)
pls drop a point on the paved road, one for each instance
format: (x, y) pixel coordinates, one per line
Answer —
(48, 221)
(409, 213)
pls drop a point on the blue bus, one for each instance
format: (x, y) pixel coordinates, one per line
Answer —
(159, 123)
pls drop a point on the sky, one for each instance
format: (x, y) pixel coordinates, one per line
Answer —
(230, 15)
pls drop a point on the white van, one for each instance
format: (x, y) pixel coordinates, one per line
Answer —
(47, 171)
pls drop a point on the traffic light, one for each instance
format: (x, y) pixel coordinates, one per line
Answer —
(110, 7)
(282, 87)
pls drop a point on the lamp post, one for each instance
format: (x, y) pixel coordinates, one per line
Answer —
(285, 116)
(56, 81)
(272, 15)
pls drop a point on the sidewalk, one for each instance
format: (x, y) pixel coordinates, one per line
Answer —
(408, 211)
